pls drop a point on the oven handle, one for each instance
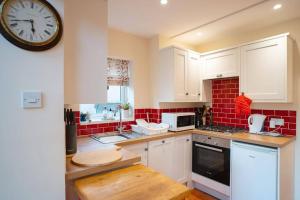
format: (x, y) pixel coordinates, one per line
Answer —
(207, 147)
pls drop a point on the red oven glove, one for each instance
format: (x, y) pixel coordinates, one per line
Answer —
(242, 105)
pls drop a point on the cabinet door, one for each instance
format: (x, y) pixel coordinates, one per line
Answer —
(193, 77)
(141, 150)
(254, 172)
(180, 70)
(182, 158)
(264, 70)
(221, 64)
(160, 156)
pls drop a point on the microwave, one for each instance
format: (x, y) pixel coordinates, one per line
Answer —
(179, 121)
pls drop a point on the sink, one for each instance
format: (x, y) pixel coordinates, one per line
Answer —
(111, 139)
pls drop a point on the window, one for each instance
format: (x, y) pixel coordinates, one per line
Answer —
(118, 92)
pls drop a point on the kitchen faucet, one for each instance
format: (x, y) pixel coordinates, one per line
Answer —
(120, 127)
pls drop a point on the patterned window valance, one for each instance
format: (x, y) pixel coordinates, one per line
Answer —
(117, 72)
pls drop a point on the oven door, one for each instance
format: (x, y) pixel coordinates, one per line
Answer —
(212, 162)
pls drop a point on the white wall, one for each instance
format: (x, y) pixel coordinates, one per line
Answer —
(136, 49)
(293, 27)
(32, 154)
(85, 51)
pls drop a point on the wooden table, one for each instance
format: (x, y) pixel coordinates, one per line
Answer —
(132, 183)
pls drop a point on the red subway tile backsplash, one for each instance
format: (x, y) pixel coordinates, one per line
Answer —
(154, 116)
(223, 106)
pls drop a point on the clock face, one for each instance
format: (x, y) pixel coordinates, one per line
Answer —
(30, 22)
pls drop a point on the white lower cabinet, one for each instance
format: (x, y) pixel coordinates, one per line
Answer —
(141, 150)
(172, 157)
(182, 158)
(160, 156)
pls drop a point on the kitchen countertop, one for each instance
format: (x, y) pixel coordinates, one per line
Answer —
(85, 144)
(270, 141)
(131, 183)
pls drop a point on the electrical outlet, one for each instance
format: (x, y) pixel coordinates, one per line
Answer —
(276, 122)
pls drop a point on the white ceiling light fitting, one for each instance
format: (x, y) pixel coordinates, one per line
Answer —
(199, 34)
(163, 2)
(277, 6)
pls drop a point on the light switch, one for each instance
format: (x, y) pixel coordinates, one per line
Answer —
(31, 99)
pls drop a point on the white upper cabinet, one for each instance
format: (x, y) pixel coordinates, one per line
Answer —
(178, 76)
(221, 64)
(193, 76)
(266, 70)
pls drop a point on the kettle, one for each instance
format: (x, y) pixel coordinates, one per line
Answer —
(256, 123)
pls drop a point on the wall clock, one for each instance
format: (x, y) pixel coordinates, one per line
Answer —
(33, 25)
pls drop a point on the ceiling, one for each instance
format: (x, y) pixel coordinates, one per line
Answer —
(148, 18)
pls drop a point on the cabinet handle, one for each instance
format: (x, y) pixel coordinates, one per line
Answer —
(146, 149)
(187, 93)
(163, 141)
(199, 94)
(187, 140)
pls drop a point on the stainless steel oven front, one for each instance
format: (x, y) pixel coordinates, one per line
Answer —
(211, 158)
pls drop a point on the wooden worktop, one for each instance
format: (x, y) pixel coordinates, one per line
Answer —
(85, 144)
(242, 137)
(131, 183)
(250, 138)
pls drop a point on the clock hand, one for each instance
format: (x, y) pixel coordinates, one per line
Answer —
(19, 20)
(32, 26)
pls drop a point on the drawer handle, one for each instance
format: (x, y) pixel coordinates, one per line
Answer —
(187, 140)
(199, 94)
(146, 149)
(187, 93)
(163, 141)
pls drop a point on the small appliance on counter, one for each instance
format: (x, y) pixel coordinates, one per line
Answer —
(70, 131)
(256, 123)
(179, 121)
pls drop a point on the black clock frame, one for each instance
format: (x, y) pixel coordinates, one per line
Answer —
(31, 47)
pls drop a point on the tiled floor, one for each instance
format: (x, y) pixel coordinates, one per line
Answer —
(198, 195)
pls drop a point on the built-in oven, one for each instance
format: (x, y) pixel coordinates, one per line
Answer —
(211, 158)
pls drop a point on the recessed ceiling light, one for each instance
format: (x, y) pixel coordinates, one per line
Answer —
(163, 2)
(199, 34)
(277, 6)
